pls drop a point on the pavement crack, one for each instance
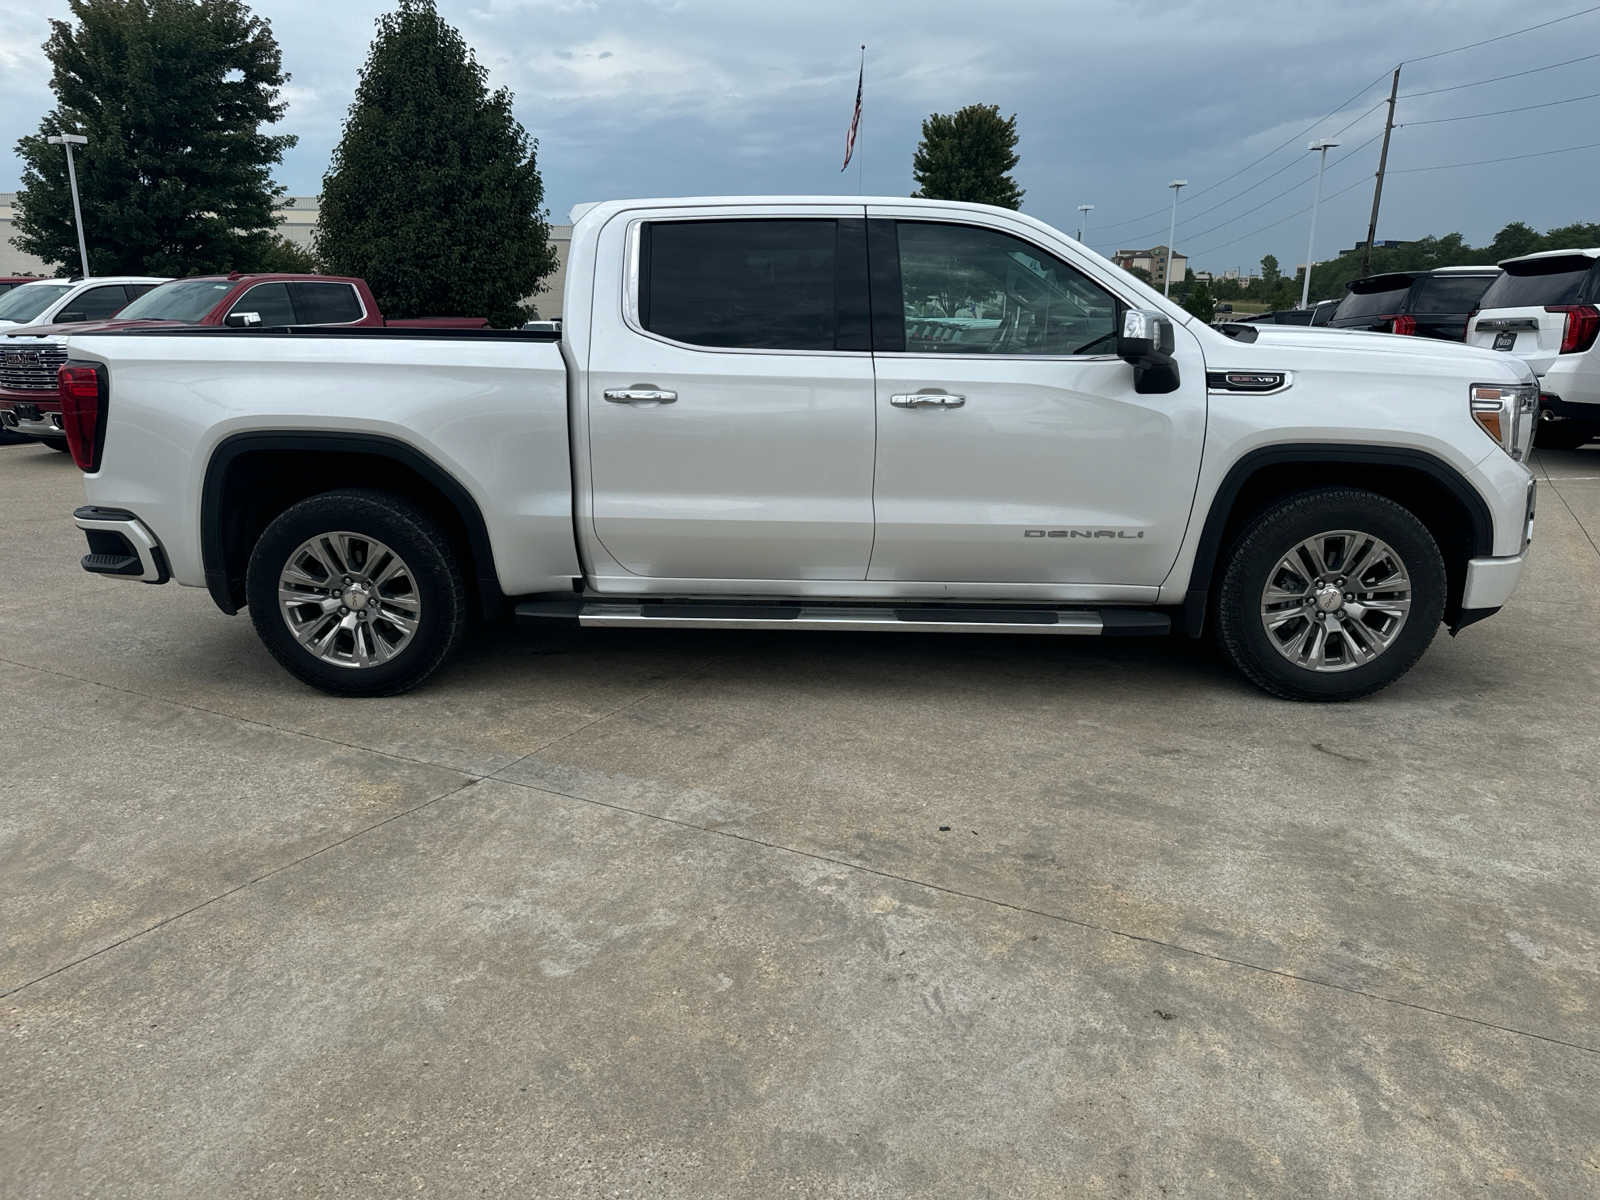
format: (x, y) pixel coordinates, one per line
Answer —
(1046, 914)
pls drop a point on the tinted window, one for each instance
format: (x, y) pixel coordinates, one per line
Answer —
(767, 285)
(325, 303)
(1541, 281)
(1448, 293)
(967, 290)
(1371, 304)
(181, 300)
(95, 304)
(269, 301)
(6, 285)
(28, 301)
(135, 290)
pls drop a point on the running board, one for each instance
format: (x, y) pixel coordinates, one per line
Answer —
(948, 618)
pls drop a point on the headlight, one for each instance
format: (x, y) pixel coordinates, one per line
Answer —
(1507, 414)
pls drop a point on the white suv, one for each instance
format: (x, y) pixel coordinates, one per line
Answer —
(64, 301)
(1546, 310)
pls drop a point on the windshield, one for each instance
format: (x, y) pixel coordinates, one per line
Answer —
(181, 300)
(1371, 304)
(1537, 282)
(28, 301)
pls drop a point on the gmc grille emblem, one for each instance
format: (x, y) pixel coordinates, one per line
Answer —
(23, 358)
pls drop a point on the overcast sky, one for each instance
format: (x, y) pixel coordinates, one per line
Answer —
(675, 97)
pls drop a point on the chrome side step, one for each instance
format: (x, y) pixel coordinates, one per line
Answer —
(902, 618)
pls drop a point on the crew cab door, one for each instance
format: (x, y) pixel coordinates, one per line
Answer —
(730, 401)
(1012, 445)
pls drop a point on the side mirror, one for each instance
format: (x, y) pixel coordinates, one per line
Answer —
(70, 318)
(242, 320)
(1147, 340)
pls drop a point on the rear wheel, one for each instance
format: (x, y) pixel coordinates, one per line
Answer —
(1330, 595)
(357, 593)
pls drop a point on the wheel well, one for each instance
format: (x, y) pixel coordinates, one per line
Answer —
(252, 478)
(1439, 499)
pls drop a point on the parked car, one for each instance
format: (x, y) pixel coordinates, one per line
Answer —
(30, 403)
(1432, 304)
(70, 301)
(732, 430)
(1318, 314)
(7, 282)
(1545, 309)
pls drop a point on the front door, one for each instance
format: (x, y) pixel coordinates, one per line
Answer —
(1012, 447)
(730, 407)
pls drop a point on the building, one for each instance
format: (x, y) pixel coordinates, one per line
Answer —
(1153, 262)
(297, 222)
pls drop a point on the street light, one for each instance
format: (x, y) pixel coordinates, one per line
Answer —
(69, 140)
(1083, 218)
(1176, 185)
(1324, 145)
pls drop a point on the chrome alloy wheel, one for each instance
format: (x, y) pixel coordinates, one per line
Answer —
(1336, 601)
(349, 599)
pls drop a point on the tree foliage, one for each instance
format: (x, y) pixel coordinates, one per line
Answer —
(173, 96)
(1200, 301)
(434, 194)
(968, 155)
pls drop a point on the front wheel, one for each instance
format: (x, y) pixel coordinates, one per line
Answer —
(1330, 595)
(357, 593)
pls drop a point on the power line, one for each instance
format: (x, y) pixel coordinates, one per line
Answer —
(1298, 213)
(1484, 162)
(1456, 87)
(1582, 12)
(1502, 111)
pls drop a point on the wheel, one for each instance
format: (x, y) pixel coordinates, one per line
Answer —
(1562, 435)
(357, 593)
(1330, 595)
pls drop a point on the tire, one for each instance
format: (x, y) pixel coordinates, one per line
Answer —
(387, 632)
(1563, 435)
(1335, 664)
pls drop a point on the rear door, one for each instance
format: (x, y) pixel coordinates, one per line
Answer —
(1440, 304)
(1372, 304)
(1012, 447)
(1514, 314)
(730, 402)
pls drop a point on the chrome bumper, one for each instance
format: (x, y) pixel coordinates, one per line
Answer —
(121, 544)
(46, 425)
(1490, 581)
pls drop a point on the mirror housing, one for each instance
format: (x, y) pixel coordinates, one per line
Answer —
(70, 318)
(242, 320)
(1147, 340)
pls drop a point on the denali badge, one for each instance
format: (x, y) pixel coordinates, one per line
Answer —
(1125, 534)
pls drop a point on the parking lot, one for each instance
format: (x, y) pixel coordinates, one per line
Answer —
(644, 913)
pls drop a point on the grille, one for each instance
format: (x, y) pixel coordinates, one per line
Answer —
(32, 369)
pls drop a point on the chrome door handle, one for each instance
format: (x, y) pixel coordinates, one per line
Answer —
(640, 395)
(927, 400)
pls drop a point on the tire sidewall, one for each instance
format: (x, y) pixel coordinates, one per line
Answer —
(403, 530)
(1274, 535)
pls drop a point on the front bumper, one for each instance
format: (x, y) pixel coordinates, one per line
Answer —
(1490, 582)
(121, 544)
(32, 420)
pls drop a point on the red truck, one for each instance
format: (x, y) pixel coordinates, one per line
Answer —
(30, 403)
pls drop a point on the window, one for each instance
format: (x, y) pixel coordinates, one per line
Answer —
(269, 301)
(1538, 281)
(135, 290)
(182, 300)
(1448, 293)
(967, 290)
(752, 284)
(325, 303)
(28, 301)
(1374, 297)
(94, 304)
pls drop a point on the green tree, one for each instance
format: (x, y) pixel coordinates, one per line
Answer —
(968, 155)
(434, 194)
(1200, 301)
(173, 96)
(1270, 273)
(1516, 238)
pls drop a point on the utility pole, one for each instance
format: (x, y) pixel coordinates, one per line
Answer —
(1176, 185)
(67, 141)
(1324, 145)
(1083, 219)
(1377, 188)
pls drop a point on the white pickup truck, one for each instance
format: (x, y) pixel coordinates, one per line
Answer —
(811, 413)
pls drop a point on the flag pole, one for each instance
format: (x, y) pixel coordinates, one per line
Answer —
(862, 79)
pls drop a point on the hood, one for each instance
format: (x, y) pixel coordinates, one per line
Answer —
(1298, 347)
(59, 330)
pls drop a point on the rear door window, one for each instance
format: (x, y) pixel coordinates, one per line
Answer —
(754, 284)
(1538, 282)
(325, 303)
(95, 304)
(1448, 293)
(269, 301)
(1380, 303)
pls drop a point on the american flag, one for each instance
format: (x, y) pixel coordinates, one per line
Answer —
(855, 120)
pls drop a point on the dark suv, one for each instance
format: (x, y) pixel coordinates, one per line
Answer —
(1432, 304)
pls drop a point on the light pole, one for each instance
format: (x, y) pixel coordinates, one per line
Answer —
(1324, 145)
(69, 140)
(1083, 219)
(1176, 185)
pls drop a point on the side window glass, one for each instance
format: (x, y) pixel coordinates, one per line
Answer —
(96, 304)
(325, 303)
(135, 290)
(968, 290)
(269, 301)
(750, 284)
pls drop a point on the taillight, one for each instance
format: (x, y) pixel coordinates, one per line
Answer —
(1583, 322)
(1403, 325)
(83, 413)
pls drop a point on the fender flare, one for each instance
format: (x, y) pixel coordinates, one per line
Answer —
(1310, 453)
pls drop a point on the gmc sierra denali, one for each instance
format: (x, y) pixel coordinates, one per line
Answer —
(806, 413)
